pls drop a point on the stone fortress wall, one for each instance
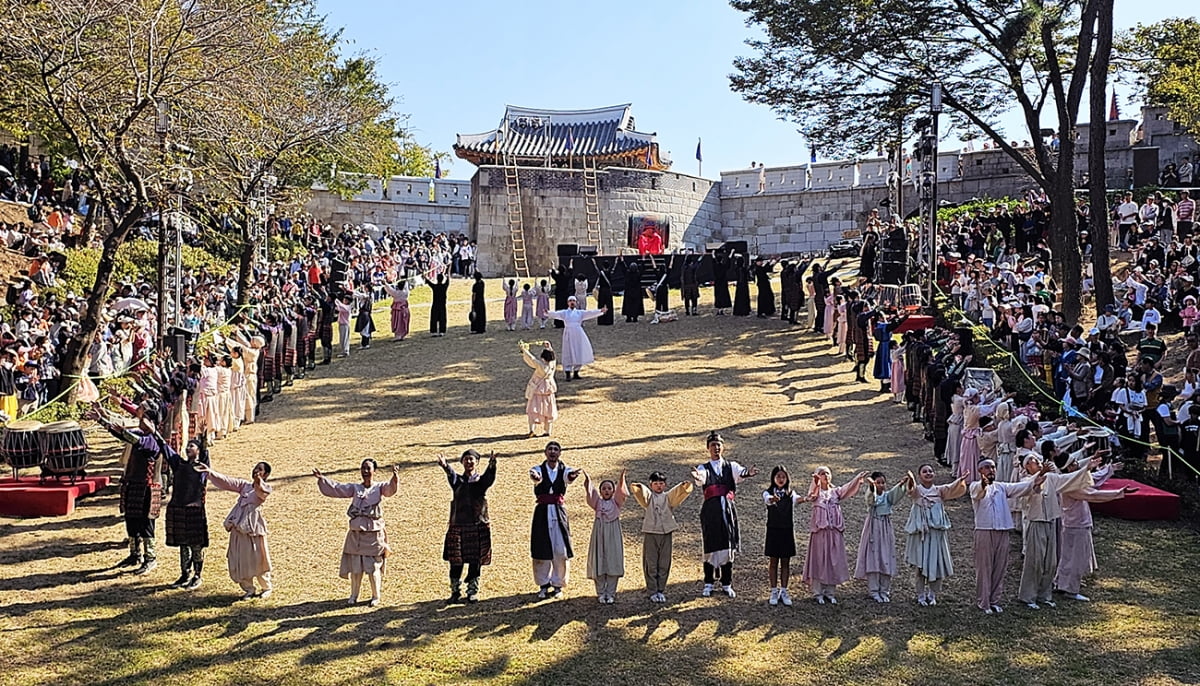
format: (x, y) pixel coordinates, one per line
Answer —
(802, 208)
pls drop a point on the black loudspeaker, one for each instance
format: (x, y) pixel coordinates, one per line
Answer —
(588, 250)
(176, 342)
(568, 249)
(895, 240)
(892, 269)
(337, 270)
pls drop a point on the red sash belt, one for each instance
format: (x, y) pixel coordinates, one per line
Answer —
(550, 499)
(717, 491)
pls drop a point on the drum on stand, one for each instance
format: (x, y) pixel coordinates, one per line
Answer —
(64, 449)
(19, 445)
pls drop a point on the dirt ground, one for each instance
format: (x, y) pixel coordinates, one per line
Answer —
(778, 395)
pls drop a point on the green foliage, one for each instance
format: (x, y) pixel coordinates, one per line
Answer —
(1161, 60)
(991, 355)
(58, 411)
(135, 259)
(970, 209)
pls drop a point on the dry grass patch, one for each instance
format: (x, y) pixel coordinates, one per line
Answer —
(778, 395)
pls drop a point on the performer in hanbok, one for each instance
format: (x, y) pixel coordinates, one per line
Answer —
(401, 315)
(576, 346)
(543, 303)
(366, 549)
(248, 555)
(541, 405)
(364, 323)
(141, 485)
(1043, 514)
(527, 296)
(927, 548)
(1078, 558)
(825, 566)
(469, 536)
(718, 478)
(510, 304)
(606, 548)
(969, 453)
(550, 533)
(993, 522)
(884, 328)
(877, 546)
(478, 313)
(581, 290)
(658, 529)
(187, 520)
(780, 546)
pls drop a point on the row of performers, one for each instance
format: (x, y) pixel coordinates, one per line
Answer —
(1055, 506)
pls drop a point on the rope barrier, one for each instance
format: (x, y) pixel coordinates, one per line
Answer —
(1066, 409)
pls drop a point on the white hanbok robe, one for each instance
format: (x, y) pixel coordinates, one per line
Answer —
(576, 346)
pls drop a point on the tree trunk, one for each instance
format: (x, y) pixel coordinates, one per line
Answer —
(77, 347)
(1064, 230)
(246, 266)
(1097, 188)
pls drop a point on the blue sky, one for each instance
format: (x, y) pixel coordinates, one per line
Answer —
(454, 66)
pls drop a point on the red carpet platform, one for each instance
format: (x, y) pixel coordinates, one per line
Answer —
(1148, 503)
(28, 498)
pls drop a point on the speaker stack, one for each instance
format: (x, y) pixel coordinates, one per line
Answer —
(893, 259)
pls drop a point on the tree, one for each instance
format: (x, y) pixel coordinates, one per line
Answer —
(1098, 192)
(271, 136)
(1161, 60)
(833, 65)
(97, 71)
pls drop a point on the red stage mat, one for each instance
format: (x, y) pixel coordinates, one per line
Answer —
(1148, 503)
(917, 322)
(28, 498)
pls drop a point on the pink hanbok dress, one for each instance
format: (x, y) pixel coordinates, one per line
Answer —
(510, 306)
(400, 312)
(543, 304)
(826, 563)
(527, 297)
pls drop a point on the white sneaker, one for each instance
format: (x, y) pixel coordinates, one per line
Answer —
(774, 597)
(922, 600)
(729, 591)
(1080, 598)
(876, 597)
(1032, 606)
(988, 611)
(602, 599)
(932, 600)
(887, 598)
(707, 590)
(831, 599)
(997, 609)
(542, 593)
(820, 600)
(784, 597)
(1049, 603)
(611, 599)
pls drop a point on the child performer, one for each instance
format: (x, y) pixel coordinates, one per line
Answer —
(527, 297)
(877, 546)
(469, 536)
(657, 529)
(543, 303)
(606, 550)
(781, 534)
(510, 305)
(928, 548)
(541, 406)
(825, 567)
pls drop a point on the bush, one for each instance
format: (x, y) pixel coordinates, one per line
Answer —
(992, 355)
(135, 259)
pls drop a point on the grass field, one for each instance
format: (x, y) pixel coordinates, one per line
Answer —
(67, 617)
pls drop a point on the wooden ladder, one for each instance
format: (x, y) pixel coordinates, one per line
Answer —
(591, 204)
(516, 223)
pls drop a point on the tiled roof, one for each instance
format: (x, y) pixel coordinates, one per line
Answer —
(536, 134)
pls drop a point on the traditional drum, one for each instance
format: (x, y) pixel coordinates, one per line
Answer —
(64, 449)
(19, 445)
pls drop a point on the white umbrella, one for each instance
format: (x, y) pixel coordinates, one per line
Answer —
(130, 304)
(371, 229)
